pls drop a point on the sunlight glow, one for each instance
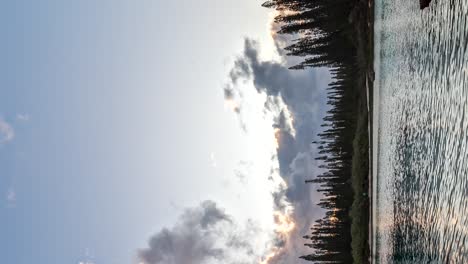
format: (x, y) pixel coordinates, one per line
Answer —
(277, 137)
(284, 223)
(232, 105)
(268, 258)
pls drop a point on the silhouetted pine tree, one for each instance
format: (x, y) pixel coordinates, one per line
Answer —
(324, 37)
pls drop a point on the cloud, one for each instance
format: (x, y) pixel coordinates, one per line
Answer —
(11, 198)
(303, 199)
(297, 99)
(243, 170)
(87, 258)
(22, 117)
(205, 234)
(213, 160)
(7, 132)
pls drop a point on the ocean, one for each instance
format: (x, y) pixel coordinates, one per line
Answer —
(420, 143)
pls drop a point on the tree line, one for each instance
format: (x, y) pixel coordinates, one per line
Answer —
(323, 36)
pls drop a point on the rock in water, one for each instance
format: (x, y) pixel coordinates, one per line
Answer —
(424, 3)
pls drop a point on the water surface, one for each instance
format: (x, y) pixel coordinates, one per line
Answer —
(421, 152)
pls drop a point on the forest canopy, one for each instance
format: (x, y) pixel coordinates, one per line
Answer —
(325, 36)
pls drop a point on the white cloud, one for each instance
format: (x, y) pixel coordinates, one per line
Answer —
(87, 258)
(22, 117)
(213, 160)
(6, 132)
(243, 171)
(11, 198)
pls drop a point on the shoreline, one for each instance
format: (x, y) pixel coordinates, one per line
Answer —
(370, 175)
(370, 78)
(373, 90)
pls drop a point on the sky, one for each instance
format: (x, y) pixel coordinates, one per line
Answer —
(128, 128)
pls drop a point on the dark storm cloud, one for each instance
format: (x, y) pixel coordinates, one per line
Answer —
(205, 234)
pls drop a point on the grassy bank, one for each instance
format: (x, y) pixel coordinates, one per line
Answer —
(362, 19)
(359, 212)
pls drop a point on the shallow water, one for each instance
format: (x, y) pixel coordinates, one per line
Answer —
(421, 145)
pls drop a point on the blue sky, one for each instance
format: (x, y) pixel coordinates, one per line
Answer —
(113, 121)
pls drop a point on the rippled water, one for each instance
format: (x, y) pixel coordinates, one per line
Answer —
(421, 110)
